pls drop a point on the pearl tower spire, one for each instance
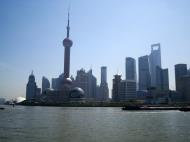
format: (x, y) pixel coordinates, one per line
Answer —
(68, 27)
(67, 43)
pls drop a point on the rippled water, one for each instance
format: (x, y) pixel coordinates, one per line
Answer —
(49, 124)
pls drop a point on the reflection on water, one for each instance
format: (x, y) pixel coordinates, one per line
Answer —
(47, 124)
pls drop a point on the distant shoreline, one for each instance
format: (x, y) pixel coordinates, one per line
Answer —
(102, 104)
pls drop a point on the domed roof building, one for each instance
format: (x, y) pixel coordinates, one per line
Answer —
(77, 95)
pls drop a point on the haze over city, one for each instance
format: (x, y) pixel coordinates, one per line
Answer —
(104, 33)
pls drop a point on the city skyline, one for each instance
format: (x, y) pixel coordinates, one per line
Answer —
(45, 56)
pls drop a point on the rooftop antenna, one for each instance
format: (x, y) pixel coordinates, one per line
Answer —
(68, 22)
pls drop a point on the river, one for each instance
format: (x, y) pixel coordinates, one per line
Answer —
(72, 124)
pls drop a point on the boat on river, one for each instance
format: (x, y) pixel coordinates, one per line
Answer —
(2, 108)
(151, 108)
(185, 109)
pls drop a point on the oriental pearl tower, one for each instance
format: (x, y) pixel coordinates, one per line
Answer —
(67, 43)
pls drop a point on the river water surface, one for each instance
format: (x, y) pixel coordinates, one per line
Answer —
(72, 124)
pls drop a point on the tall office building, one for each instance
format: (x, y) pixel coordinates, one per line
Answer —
(55, 83)
(122, 91)
(31, 88)
(184, 88)
(180, 71)
(144, 73)
(131, 84)
(82, 81)
(131, 90)
(189, 72)
(162, 79)
(155, 61)
(87, 81)
(67, 43)
(45, 84)
(104, 91)
(103, 74)
(165, 77)
(92, 86)
(130, 69)
(115, 88)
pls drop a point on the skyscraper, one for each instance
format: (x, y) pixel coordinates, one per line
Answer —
(165, 77)
(131, 84)
(45, 84)
(122, 91)
(155, 61)
(104, 91)
(144, 73)
(87, 81)
(131, 90)
(162, 79)
(130, 69)
(31, 88)
(82, 80)
(180, 71)
(184, 88)
(116, 88)
(67, 43)
(92, 86)
(55, 83)
(103, 74)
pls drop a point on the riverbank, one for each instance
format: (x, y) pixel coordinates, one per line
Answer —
(104, 104)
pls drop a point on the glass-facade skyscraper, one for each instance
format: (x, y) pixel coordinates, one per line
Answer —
(130, 76)
(155, 61)
(180, 71)
(144, 73)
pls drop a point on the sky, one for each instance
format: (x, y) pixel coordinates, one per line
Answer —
(104, 33)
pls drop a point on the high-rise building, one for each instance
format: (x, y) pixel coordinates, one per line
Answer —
(31, 88)
(130, 69)
(116, 87)
(82, 81)
(165, 76)
(144, 73)
(55, 83)
(104, 91)
(92, 86)
(162, 79)
(184, 88)
(155, 61)
(189, 72)
(180, 71)
(122, 91)
(131, 84)
(67, 43)
(103, 74)
(87, 81)
(45, 84)
(131, 90)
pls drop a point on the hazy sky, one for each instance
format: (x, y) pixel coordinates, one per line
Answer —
(104, 32)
